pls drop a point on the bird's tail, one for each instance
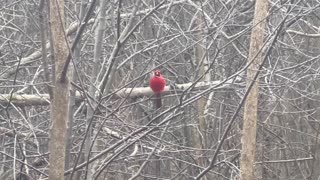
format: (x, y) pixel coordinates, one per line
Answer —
(157, 101)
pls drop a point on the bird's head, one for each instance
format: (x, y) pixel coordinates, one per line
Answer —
(157, 73)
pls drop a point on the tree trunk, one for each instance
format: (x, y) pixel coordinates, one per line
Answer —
(248, 138)
(91, 105)
(199, 131)
(60, 103)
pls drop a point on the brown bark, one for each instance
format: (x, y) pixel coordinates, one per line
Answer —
(248, 138)
(60, 103)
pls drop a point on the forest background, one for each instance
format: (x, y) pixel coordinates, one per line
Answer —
(242, 97)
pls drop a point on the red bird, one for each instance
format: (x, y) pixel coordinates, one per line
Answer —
(157, 84)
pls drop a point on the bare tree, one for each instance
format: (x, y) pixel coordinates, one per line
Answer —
(60, 103)
(248, 139)
(203, 49)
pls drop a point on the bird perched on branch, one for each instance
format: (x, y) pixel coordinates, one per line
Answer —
(157, 84)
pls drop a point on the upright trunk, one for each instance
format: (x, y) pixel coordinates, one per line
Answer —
(201, 62)
(60, 103)
(248, 138)
(91, 105)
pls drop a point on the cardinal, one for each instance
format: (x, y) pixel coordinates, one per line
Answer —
(157, 84)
